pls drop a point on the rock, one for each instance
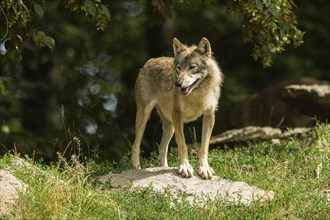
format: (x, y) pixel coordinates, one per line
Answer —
(246, 134)
(255, 133)
(195, 188)
(296, 131)
(267, 108)
(312, 100)
(9, 188)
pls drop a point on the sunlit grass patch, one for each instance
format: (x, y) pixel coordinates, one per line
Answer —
(296, 170)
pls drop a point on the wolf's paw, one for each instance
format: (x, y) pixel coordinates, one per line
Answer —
(136, 166)
(186, 170)
(205, 172)
(135, 163)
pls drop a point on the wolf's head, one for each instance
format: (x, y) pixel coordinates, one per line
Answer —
(190, 64)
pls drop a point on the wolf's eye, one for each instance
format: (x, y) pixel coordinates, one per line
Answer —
(178, 67)
(192, 66)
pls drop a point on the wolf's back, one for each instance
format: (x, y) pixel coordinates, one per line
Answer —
(157, 75)
(156, 67)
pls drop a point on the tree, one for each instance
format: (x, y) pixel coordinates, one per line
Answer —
(20, 17)
(268, 25)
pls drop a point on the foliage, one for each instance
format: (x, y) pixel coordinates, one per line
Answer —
(269, 25)
(20, 18)
(296, 170)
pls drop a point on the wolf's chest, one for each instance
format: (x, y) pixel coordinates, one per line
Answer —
(193, 107)
(190, 114)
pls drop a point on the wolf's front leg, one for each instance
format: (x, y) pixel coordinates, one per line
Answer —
(204, 170)
(185, 169)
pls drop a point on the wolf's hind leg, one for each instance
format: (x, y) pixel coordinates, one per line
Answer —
(142, 116)
(168, 131)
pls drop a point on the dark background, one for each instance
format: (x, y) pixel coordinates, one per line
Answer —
(84, 86)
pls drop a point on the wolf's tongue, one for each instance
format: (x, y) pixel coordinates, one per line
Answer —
(184, 90)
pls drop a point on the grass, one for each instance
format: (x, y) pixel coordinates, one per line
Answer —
(297, 170)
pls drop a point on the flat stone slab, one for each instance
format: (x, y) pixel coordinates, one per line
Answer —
(195, 189)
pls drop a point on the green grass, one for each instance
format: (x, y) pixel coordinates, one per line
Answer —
(297, 170)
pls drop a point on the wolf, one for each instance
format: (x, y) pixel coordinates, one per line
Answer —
(182, 88)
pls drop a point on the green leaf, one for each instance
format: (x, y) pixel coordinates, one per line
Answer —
(267, 3)
(273, 10)
(41, 40)
(39, 10)
(50, 42)
(90, 7)
(272, 47)
(106, 12)
(260, 5)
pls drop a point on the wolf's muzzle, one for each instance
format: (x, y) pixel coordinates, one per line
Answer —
(179, 84)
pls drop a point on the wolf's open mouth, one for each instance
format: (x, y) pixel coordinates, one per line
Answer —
(187, 90)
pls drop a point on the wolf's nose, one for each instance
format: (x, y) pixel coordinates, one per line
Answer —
(179, 83)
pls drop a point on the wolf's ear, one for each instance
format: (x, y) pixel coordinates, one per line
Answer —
(178, 47)
(204, 48)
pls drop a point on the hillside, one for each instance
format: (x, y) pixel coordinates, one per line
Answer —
(295, 169)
